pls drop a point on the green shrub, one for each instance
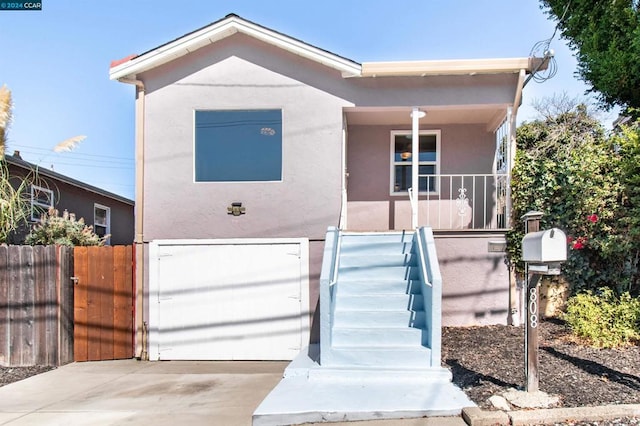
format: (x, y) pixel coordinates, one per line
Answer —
(603, 319)
(65, 230)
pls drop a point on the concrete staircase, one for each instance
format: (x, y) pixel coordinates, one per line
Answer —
(379, 351)
(379, 317)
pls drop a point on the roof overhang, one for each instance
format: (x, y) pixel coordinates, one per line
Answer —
(452, 67)
(44, 172)
(129, 67)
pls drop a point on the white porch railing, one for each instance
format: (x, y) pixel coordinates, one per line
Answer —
(461, 201)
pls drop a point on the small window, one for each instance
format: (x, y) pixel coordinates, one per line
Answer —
(101, 220)
(41, 201)
(428, 160)
(238, 146)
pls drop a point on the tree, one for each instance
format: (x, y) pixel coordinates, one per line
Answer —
(605, 35)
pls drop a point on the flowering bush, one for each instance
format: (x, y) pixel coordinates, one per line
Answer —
(65, 230)
(588, 185)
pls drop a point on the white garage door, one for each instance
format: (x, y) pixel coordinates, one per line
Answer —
(228, 299)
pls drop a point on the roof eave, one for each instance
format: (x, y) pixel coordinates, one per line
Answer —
(222, 29)
(449, 67)
(30, 167)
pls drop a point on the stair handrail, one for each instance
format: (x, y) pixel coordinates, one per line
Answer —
(328, 279)
(432, 291)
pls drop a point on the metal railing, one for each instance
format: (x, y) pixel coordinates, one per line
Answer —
(431, 289)
(462, 201)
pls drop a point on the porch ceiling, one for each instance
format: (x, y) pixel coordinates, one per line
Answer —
(490, 116)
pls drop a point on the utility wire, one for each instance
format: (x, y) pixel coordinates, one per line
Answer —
(542, 49)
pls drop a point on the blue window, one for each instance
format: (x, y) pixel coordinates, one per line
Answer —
(238, 145)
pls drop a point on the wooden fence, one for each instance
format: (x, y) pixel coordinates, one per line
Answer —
(36, 305)
(60, 304)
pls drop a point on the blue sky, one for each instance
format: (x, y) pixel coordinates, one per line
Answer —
(56, 61)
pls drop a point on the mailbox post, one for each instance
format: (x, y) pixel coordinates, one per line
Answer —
(542, 252)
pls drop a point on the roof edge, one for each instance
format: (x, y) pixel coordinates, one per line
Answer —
(449, 67)
(19, 162)
(229, 25)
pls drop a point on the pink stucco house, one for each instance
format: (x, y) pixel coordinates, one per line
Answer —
(251, 143)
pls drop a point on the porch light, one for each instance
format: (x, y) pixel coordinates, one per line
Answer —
(418, 113)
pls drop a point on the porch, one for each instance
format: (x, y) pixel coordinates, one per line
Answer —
(460, 157)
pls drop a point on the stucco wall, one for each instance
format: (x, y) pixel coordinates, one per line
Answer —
(303, 204)
(464, 149)
(475, 283)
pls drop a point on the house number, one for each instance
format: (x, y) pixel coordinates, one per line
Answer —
(533, 307)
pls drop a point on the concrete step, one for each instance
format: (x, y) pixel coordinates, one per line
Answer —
(374, 272)
(378, 287)
(388, 237)
(364, 374)
(377, 259)
(379, 302)
(372, 247)
(415, 356)
(382, 337)
(373, 319)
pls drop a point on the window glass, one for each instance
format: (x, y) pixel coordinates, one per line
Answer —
(41, 201)
(402, 160)
(403, 148)
(101, 220)
(100, 216)
(238, 145)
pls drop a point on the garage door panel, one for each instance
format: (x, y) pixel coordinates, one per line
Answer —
(238, 301)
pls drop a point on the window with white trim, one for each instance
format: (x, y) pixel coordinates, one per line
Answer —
(101, 220)
(42, 200)
(428, 160)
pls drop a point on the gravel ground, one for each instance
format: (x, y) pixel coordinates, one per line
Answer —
(13, 374)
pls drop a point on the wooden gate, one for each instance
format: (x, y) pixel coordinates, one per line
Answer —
(103, 303)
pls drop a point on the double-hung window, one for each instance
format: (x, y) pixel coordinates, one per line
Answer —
(101, 220)
(42, 200)
(238, 145)
(401, 160)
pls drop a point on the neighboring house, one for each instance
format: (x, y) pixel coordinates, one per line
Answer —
(250, 144)
(107, 212)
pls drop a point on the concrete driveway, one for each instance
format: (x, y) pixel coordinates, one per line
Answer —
(158, 393)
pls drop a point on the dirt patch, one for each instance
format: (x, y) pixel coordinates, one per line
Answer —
(489, 360)
(14, 374)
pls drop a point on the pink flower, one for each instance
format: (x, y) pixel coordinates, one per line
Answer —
(569, 239)
(579, 243)
(592, 218)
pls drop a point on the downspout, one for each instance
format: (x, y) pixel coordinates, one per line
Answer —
(514, 316)
(140, 324)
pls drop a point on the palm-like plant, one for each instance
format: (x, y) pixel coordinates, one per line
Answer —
(15, 207)
(5, 116)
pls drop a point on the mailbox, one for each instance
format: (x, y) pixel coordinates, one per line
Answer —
(545, 250)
